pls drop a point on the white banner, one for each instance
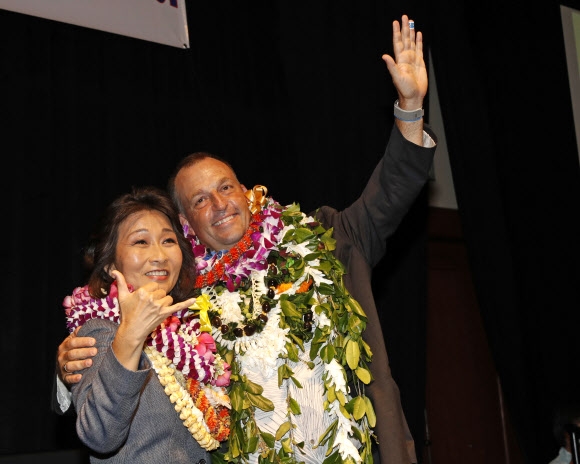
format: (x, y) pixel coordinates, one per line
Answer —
(161, 21)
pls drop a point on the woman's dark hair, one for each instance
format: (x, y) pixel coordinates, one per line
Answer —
(100, 253)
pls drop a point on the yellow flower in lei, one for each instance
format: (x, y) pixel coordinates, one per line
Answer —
(202, 304)
(281, 316)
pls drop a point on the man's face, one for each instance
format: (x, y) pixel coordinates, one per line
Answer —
(216, 208)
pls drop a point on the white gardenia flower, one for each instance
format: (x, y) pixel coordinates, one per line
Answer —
(347, 444)
(229, 304)
(318, 276)
(321, 320)
(336, 373)
(346, 447)
(299, 248)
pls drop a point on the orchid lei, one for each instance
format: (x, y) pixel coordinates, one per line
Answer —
(282, 302)
(184, 357)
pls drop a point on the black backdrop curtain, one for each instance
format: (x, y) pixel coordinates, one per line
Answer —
(508, 121)
(285, 91)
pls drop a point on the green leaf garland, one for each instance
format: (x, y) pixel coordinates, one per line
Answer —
(340, 342)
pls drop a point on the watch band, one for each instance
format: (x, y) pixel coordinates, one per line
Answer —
(407, 116)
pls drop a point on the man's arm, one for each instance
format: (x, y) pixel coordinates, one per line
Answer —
(404, 169)
(73, 354)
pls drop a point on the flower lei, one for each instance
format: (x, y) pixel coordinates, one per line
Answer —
(276, 296)
(183, 356)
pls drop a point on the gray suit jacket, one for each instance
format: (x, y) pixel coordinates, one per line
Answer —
(361, 232)
(125, 416)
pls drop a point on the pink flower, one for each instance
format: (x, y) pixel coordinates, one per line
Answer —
(79, 296)
(205, 343)
(208, 340)
(173, 323)
(114, 291)
(209, 357)
(223, 380)
(199, 250)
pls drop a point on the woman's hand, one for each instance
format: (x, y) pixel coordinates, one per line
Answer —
(141, 312)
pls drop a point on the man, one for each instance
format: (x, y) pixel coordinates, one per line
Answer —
(214, 211)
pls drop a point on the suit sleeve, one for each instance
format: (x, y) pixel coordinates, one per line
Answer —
(390, 192)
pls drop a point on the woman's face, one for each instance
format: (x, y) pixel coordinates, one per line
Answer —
(148, 251)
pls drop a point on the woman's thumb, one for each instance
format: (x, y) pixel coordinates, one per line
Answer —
(121, 283)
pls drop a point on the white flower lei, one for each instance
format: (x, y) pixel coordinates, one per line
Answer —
(289, 232)
(178, 394)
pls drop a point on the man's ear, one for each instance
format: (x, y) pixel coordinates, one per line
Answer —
(184, 222)
(244, 189)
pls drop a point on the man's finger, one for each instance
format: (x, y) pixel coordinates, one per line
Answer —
(79, 343)
(70, 379)
(75, 365)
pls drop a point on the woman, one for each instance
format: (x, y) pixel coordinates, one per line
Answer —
(150, 395)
